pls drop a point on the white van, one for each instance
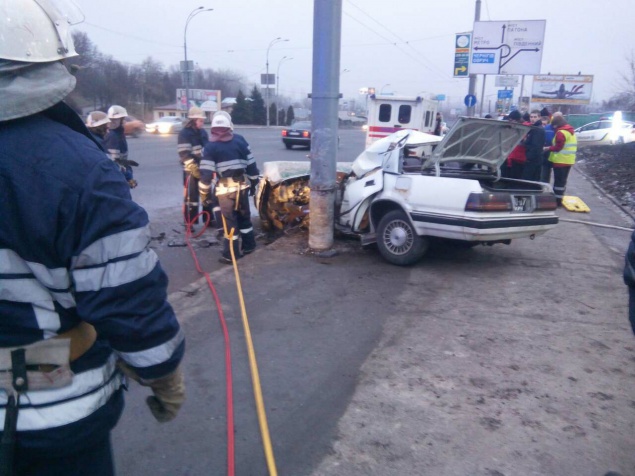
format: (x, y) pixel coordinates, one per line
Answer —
(388, 114)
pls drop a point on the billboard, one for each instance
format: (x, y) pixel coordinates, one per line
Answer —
(507, 47)
(206, 99)
(562, 89)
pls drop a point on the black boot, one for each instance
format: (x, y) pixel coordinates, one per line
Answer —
(249, 242)
(226, 256)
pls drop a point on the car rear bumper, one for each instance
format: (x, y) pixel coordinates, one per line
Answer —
(482, 229)
(296, 140)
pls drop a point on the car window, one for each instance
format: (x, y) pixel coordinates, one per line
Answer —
(590, 127)
(301, 125)
(606, 124)
(385, 111)
(404, 114)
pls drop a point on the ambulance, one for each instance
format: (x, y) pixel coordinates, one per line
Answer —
(388, 114)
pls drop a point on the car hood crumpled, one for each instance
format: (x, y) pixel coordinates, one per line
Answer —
(478, 141)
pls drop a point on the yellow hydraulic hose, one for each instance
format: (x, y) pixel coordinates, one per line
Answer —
(253, 366)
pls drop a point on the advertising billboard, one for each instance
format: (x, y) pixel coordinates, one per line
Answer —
(207, 99)
(562, 89)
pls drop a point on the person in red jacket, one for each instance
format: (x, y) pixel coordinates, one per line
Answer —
(515, 162)
(562, 154)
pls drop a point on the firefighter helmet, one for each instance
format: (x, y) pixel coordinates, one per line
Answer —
(195, 113)
(96, 118)
(222, 119)
(117, 112)
(36, 31)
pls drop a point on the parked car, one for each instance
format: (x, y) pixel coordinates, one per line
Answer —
(299, 133)
(455, 193)
(606, 132)
(133, 126)
(165, 125)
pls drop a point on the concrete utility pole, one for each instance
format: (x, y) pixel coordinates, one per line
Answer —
(327, 33)
(472, 85)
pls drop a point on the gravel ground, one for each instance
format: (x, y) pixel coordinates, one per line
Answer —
(613, 169)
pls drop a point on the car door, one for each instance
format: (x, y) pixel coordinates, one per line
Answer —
(589, 134)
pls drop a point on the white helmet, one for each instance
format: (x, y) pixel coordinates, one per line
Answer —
(222, 116)
(116, 112)
(96, 118)
(37, 31)
(195, 113)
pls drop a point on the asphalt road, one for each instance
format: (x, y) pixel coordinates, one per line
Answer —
(503, 360)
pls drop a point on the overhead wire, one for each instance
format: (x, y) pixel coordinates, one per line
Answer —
(424, 63)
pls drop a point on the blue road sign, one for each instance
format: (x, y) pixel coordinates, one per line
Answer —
(505, 93)
(470, 100)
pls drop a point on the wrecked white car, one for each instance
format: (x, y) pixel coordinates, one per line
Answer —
(411, 186)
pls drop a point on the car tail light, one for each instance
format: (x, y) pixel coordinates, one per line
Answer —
(546, 202)
(489, 202)
(306, 133)
(284, 133)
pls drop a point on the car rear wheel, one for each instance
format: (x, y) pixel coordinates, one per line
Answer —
(288, 146)
(398, 241)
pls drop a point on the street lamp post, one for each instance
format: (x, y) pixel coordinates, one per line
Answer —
(273, 42)
(381, 91)
(284, 58)
(186, 70)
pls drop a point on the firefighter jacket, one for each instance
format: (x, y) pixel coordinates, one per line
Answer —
(190, 144)
(116, 147)
(74, 248)
(629, 279)
(229, 160)
(565, 146)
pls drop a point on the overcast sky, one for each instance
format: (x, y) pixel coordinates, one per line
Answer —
(405, 47)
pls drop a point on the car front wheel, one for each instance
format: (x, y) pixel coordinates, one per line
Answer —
(398, 241)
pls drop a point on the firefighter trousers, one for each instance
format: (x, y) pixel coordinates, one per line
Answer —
(235, 209)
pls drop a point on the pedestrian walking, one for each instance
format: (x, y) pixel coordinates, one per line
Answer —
(229, 157)
(438, 127)
(191, 141)
(80, 287)
(545, 172)
(562, 154)
(534, 142)
(116, 144)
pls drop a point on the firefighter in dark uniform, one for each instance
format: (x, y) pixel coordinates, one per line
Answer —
(191, 141)
(97, 123)
(228, 156)
(116, 144)
(80, 287)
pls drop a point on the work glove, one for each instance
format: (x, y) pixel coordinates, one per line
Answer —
(253, 183)
(169, 392)
(133, 183)
(190, 166)
(204, 197)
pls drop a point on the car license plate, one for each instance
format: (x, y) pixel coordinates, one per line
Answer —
(294, 133)
(523, 203)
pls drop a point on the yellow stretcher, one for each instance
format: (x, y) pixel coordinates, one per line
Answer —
(574, 204)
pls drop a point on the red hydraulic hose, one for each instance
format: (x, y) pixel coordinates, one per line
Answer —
(221, 317)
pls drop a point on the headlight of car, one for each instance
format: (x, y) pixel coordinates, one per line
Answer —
(165, 128)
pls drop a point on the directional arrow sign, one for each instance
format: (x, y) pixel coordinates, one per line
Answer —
(462, 44)
(507, 47)
(470, 100)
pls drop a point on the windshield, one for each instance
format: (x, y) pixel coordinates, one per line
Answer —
(301, 125)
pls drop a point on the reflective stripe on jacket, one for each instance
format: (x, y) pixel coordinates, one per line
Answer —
(567, 154)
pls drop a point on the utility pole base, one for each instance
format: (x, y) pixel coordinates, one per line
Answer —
(322, 219)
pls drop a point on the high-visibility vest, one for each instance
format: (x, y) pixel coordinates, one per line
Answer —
(567, 154)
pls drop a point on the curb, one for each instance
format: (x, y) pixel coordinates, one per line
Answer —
(615, 201)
